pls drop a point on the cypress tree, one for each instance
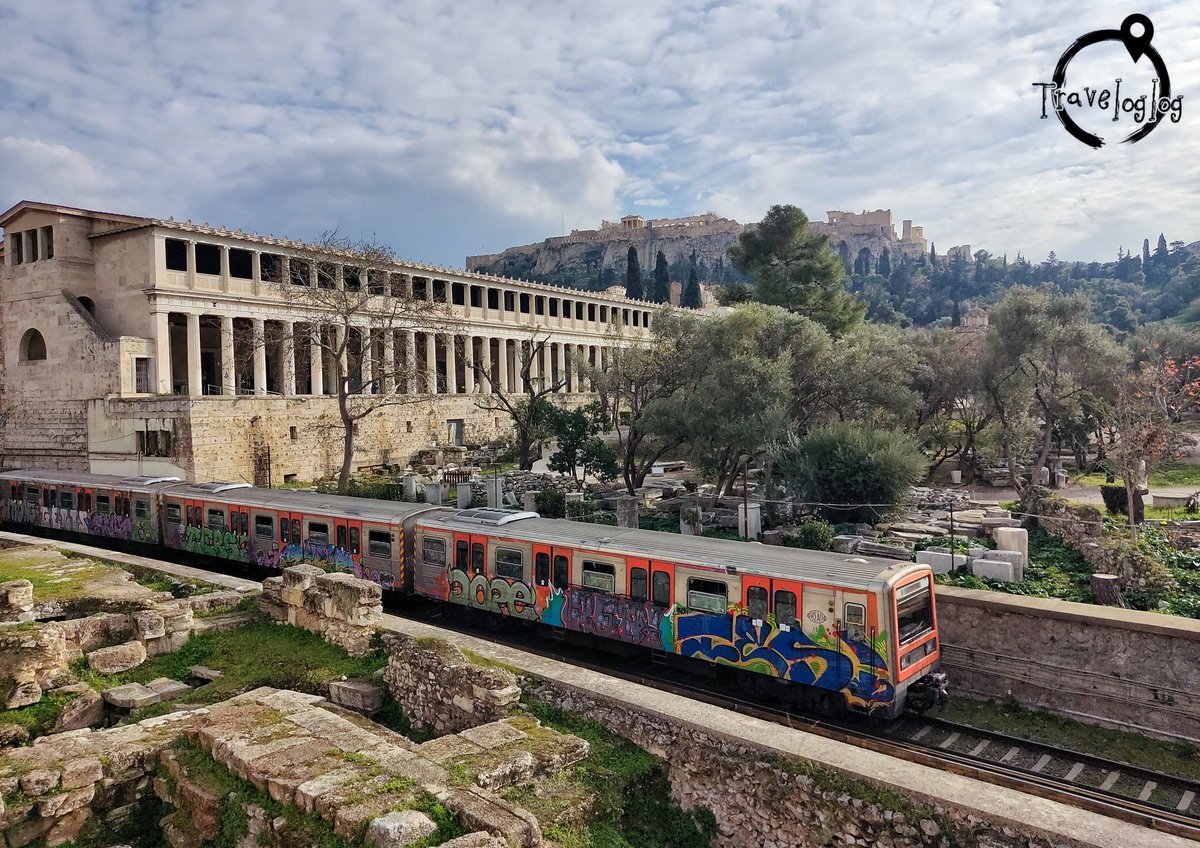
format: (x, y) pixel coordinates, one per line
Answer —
(1145, 255)
(662, 279)
(932, 254)
(691, 295)
(633, 276)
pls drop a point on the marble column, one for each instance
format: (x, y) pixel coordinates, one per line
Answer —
(258, 331)
(469, 364)
(193, 355)
(431, 375)
(162, 353)
(389, 369)
(287, 349)
(316, 360)
(228, 381)
(487, 385)
(451, 364)
(502, 377)
(562, 367)
(410, 362)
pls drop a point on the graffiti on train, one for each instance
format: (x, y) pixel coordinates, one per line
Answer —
(329, 557)
(494, 594)
(826, 658)
(78, 521)
(637, 622)
(215, 542)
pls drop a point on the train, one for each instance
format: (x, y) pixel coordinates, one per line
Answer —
(837, 632)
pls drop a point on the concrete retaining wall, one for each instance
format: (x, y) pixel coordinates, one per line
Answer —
(1116, 667)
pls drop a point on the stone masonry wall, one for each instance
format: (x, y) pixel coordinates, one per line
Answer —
(441, 690)
(1116, 667)
(762, 801)
(340, 607)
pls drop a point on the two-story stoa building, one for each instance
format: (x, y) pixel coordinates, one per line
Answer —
(137, 345)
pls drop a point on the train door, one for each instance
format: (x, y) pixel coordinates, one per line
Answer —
(551, 582)
(348, 537)
(83, 499)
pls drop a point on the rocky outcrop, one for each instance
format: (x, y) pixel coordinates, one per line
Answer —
(441, 690)
(340, 607)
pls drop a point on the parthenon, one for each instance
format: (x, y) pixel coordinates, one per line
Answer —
(149, 345)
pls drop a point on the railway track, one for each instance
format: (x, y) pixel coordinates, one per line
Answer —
(1158, 801)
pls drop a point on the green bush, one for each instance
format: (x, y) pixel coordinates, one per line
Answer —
(1116, 498)
(849, 464)
(813, 535)
(551, 503)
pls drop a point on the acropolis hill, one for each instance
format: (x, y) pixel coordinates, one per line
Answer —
(586, 255)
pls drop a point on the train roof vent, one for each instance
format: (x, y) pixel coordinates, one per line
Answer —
(217, 486)
(148, 481)
(494, 515)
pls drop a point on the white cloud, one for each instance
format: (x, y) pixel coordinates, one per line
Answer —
(447, 129)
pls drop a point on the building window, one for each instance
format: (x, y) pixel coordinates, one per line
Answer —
(33, 346)
(176, 255)
(554, 307)
(408, 428)
(17, 246)
(293, 433)
(300, 272)
(270, 267)
(591, 312)
(493, 298)
(524, 304)
(141, 374)
(241, 264)
(603, 314)
(458, 294)
(510, 301)
(208, 259)
(32, 244)
(351, 278)
(154, 442)
(539, 305)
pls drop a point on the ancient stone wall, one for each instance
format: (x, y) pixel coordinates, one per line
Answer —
(1105, 665)
(441, 690)
(340, 607)
(763, 801)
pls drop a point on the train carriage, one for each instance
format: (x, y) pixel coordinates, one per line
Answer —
(852, 630)
(275, 528)
(106, 506)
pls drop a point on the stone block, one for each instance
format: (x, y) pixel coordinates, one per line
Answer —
(464, 497)
(39, 781)
(994, 569)
(845, 544)
(17, 593)
(81, 771)
(399, 829)
(22, 833)
(54, 806)
(168, 689)
(203, 672)
(627, 511)
(877, 549)
(1013, 539)
(131, 696)
(67, 827)
(300, 576)
(479, 839)
(357, 695)
(1015, 557)
(86, 710)
(149, 625)
(167, 644)
(996, 512)
(992, 523)
(23, 694)
(942, 562)
(118, 658)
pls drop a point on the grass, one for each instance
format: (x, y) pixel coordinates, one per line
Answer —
(75, 581)
(37, 718)
(260, 653)
(1051, 728)
(618, 797)
(1168, 474)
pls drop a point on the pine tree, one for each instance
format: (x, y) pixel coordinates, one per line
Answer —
(885, 264)
(691, 295)
(662, 280)
(633, 276)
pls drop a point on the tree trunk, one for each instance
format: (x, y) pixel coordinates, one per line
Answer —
(347, 443)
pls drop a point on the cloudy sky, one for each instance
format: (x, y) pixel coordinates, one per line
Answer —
(447, 129)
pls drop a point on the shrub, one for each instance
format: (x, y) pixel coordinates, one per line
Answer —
(813, 535)
(848, 464)
(1116, 498)
(551, 503)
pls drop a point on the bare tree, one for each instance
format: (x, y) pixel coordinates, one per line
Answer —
(348, 306)
(528, 406)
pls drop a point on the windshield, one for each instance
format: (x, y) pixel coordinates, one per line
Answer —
(914, 610)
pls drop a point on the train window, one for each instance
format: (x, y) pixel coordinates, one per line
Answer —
(31, 494)
(661, 589)
(707, 595)
(216, 519)
(477, 558)
(510, 564)
(264, 526)
(756, 602)
(66, 500)
(141, 509)
(785, 607)
(355, 540)
(296, 531)
(914, 611)
(541, 569)
(379, 543)
(562, 572)
(318, 532)
(123, 505)
(14, 492)
(283, 529)
(47, 498)
(103, 505)
(433, 551)
(460, 555)
(340, 535)
(855, 614)
(637, 584)
(245, 524)
(87, 501)
(599, 576)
